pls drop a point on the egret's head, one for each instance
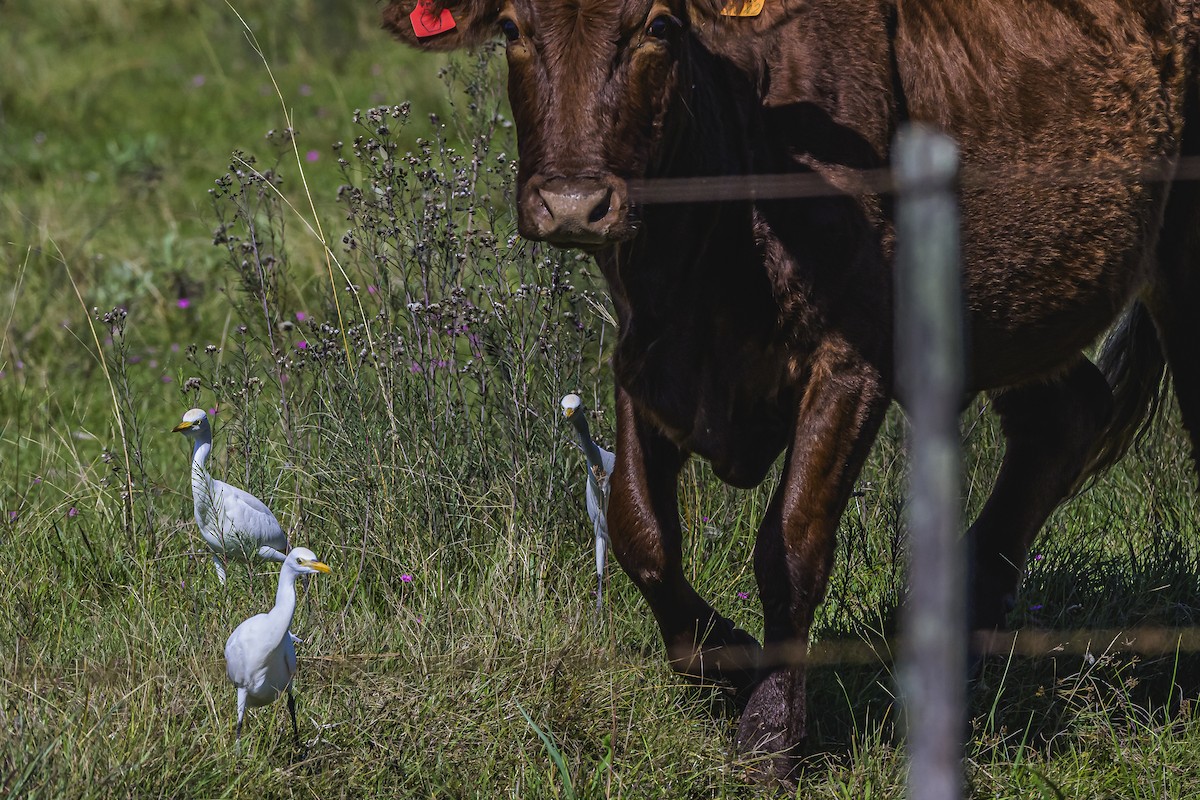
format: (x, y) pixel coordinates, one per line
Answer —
(570, 404)
(304, 561)
(195, 423)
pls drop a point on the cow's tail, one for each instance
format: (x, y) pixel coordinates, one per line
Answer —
(1132, 360)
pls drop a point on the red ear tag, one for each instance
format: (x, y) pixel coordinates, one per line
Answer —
(426, 23)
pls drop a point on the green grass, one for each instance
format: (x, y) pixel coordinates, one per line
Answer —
(416, 433)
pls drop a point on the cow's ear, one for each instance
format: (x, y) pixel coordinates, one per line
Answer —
(442, 24)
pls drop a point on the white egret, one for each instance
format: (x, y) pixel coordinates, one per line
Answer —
(260, 658)
(600, 463)
(234, 523)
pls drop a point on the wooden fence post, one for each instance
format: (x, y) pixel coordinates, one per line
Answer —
(929, 374)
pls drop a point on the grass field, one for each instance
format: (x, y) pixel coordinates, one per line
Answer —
(384, 358)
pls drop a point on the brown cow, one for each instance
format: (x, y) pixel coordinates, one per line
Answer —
(752, 328)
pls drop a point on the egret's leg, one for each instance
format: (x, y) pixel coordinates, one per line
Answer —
(220, 568)
(292, 711)
(241, 712)
(271, 554)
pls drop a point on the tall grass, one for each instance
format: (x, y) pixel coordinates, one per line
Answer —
(391, 389)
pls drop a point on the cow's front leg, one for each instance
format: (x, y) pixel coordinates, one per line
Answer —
(838, 418)
(643, 526)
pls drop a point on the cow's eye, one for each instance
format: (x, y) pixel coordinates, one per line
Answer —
(662, 26)
(510, 30)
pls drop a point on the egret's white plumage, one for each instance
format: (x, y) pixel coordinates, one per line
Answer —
(234, 523)
(260, 659)
(600, 463)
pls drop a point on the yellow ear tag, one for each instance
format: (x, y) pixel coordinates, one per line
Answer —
(750, 8)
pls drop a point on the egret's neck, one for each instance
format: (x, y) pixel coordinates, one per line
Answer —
(590, 450)
(285, 603)
(201, 481)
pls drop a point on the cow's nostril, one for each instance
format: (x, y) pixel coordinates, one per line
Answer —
(600, 210)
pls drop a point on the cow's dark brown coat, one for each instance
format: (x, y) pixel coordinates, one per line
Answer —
(750, 329)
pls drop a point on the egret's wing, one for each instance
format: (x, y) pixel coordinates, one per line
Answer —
(600, 525)
(229, 494)
(289, 659)
(247, 518)
(598, 476)
(246, 650)
(608, 460)
(259, 660)
(593, 495)
(600, 528)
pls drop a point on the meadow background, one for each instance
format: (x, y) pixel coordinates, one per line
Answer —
(271, 211)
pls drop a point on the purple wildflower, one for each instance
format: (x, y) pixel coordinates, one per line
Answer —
(198, 80)
(743, 595)
(406, 578)
(73, 512)
(301, 345)
(301, 316)
(312, 155)
(372, 288)
(183, 302)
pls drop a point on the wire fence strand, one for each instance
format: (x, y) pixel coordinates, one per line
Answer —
(803, 184)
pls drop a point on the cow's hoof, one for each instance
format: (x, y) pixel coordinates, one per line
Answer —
(771, 731)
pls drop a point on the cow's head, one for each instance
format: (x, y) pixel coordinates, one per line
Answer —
(595, 88)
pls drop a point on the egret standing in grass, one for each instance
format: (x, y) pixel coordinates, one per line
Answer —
(260, 658)
(234, 523)
(600, 463)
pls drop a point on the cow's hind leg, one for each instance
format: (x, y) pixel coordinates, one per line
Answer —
(1174, 302)
(643, 519)
(1050, 429)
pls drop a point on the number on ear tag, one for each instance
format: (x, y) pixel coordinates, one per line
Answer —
(750, 8)
(426, 23)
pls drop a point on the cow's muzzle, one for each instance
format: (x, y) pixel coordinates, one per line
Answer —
(575, 212)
